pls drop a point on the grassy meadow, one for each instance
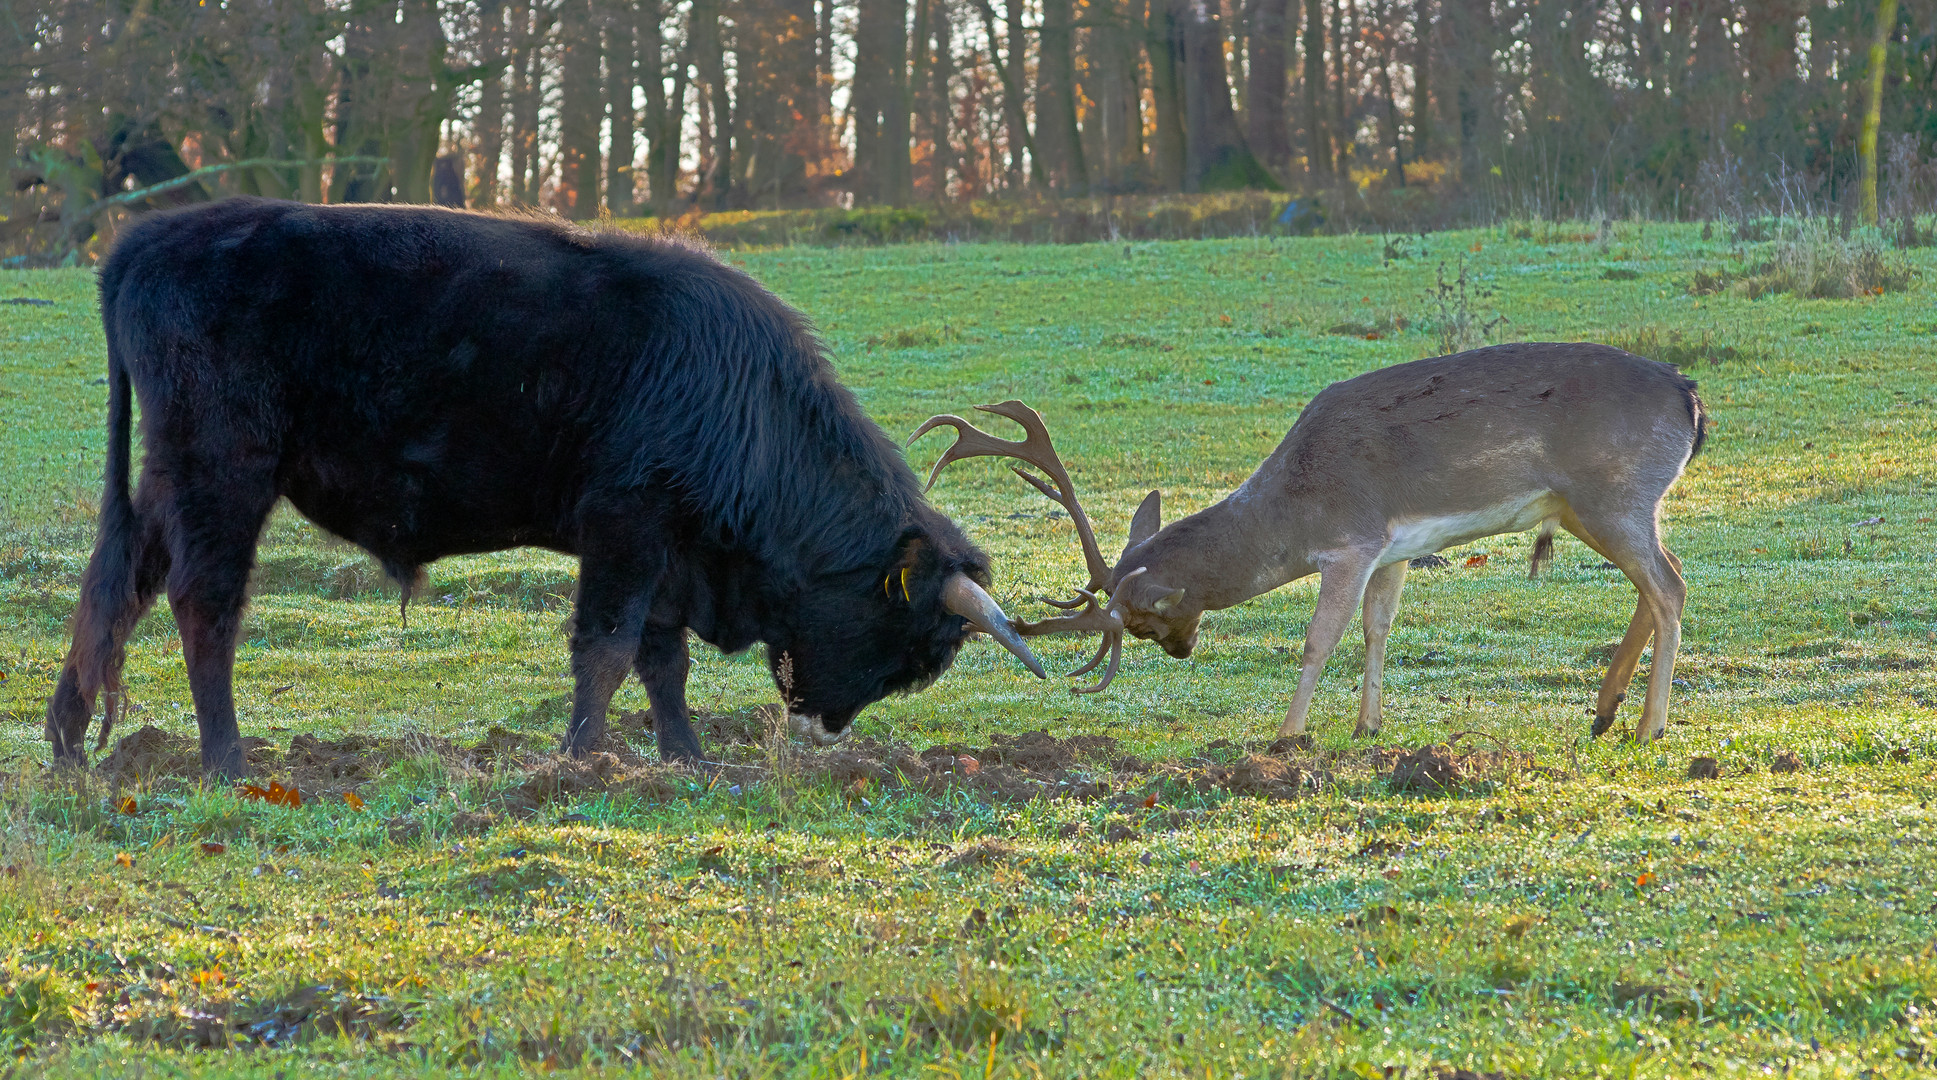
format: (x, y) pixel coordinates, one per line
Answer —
(1574, 908)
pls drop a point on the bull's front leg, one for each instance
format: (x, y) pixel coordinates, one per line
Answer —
(662, 665)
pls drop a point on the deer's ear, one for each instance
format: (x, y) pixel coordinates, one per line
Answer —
(1162, 605)
(1149, 518)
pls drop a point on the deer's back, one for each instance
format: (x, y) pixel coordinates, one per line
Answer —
(1491, 425)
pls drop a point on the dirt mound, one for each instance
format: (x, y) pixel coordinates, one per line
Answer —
(1429, 770)
(1704, 768)
(562, 779)
(151, 757)
(1261, 776)
(1012, 768)
(332, 768)
(1787, 762)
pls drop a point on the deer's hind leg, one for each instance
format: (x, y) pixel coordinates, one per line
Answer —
(1381, 606)
(1632, 541)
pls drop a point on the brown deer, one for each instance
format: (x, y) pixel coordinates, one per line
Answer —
(1391, 466)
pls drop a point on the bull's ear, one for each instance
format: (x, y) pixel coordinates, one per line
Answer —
(907, 563)
(1149, 518)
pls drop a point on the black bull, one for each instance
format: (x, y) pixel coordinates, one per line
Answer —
(427, 383)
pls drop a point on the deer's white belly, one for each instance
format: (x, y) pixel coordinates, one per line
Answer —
(1413, 537)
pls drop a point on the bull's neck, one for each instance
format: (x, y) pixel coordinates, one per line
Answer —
(1250, 543)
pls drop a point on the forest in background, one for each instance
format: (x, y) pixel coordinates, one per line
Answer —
(1439, 110)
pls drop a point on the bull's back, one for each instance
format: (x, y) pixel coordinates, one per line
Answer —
(418, 376)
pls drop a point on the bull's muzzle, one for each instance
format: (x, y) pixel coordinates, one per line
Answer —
(815, 730)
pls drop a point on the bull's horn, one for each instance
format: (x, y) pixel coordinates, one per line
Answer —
(967, 599)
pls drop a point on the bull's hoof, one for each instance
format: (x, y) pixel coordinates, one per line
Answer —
(582, 740)
(688, 754)
(224, 763)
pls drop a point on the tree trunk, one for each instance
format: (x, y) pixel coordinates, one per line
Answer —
(1115, 133)
(487, 131)
(1056, 131)
(1386, 19)
(1475, 93)
(661, 121)
(1163, 42)
(1341, 73)
(878, 97)
(1422, 82)
(709, 56)
(1318, 134)
(1886, 28)
(1015, 101)
(942, 156)
(579, 109)
(1264, 97)
(530, 28)
(1216, 157)
(621, 75)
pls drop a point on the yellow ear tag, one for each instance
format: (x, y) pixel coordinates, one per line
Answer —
(888, 586)
(905, 571)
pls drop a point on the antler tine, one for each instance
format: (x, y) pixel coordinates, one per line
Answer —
(1036, 449)
(1093, 617)
(1113, 642)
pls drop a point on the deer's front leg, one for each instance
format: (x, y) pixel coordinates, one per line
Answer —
(1381, 605)
(1340, 585)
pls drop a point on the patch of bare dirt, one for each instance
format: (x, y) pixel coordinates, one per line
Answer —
(1011, 768)
(150, 757)
(332, 768)
(1429, 770)
(1787, 762)
(1704, 768)
(563, 779)
(1259, 775)
(1443, 767)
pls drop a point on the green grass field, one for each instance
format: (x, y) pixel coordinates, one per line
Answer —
(1576, 909)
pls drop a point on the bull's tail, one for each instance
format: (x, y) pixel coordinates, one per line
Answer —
(108, 605)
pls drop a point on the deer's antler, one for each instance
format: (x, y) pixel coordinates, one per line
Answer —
(1095, 616)
(1037, 450)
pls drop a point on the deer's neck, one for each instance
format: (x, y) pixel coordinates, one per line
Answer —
(1244, 546)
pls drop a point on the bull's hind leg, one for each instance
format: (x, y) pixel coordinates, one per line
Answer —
(1632, 541)
(212, 548)
(74, 695)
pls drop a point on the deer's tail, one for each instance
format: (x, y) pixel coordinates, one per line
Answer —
(1543, 548)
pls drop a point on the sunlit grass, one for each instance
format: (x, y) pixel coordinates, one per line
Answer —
(1625, 919)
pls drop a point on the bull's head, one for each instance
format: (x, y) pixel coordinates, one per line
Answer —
(859, 635)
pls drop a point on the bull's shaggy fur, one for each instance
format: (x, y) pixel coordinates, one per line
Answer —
(427, 383)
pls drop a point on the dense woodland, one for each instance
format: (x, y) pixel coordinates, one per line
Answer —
(626, 107)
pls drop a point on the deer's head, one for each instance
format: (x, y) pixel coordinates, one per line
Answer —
(1145, 597)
